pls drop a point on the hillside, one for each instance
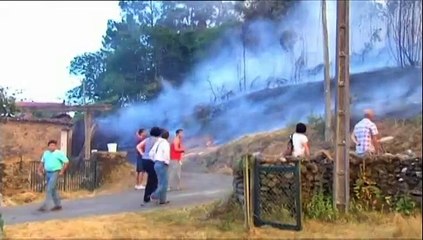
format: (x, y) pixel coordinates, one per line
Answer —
(392, 92)
(407, 133)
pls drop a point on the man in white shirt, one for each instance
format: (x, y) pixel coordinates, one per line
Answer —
(365, 135)
(160, 154)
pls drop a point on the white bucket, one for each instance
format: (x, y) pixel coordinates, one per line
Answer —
(112, 147)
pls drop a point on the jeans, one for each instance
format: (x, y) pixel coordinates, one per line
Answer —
(51, 189)
(151, 185)
(175, 169)
(162, 176)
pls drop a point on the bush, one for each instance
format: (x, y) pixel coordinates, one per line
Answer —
(321, 207)
(317, 123)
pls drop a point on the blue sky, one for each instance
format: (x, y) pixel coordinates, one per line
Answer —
(39, 39)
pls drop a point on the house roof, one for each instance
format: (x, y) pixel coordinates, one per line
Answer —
(60, 107)
(60, 122)
(39, 105)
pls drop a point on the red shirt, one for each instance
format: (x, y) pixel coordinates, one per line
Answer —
(174, 154)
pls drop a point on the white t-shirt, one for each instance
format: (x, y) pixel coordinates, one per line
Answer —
(298, 141)
(160, 151)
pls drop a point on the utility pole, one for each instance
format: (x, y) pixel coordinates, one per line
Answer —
(341, 184)
(328, 107)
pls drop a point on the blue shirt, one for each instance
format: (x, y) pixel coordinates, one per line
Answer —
(53, 161)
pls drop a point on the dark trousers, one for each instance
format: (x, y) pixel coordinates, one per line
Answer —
(151, 185)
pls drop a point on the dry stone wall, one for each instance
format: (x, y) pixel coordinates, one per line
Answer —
(394, 175)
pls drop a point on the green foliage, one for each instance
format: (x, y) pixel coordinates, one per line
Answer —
(368, 197)
(321, 207)
(367, 194)
(155, 41)
(270, 9)
(1, 225)
(405, 205)
(7, 102)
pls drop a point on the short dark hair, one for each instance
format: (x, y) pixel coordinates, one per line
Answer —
(179, 131)
(301, 128)
(165, 134)
(155, 132)
(52, 142)
(141, 130)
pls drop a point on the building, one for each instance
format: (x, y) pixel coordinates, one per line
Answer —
(25, 137)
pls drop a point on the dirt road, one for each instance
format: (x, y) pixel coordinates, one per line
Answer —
(198, 188)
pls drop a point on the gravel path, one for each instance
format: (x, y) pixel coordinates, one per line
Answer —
(199, 188)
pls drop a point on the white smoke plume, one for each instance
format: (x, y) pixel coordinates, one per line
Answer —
(289, 52)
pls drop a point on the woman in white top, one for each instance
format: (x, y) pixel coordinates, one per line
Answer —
(300, 142)
(160, 154)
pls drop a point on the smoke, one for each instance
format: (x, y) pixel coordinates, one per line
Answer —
(277, 54)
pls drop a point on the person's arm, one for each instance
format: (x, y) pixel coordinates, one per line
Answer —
(41, 166)
(178, 146)
(354, 139)
(306, 146)
(64, 159)
(140, 147)
(166, 152)
(375, 137)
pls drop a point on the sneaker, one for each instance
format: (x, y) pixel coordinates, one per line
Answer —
(56, 208)
(42, 209)
(153, 199)
(142, 187)
(166, 202)
(139, 187)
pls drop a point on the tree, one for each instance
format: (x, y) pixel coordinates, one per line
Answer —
(153, 41)
(7, 102)
(405, 30)
(328, 108)
(270, 9)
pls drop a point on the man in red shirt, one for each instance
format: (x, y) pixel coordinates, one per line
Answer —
(177, 151)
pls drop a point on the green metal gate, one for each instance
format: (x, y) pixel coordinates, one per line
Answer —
(277, 195)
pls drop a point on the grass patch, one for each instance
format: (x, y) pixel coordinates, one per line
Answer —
(115, 183)
(221, 220)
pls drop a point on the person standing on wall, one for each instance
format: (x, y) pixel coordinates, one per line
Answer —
(144, 149)
(365, 135)
(141, 135)
(177, 151)
(298, 145)
(53, 164)
(160, 153)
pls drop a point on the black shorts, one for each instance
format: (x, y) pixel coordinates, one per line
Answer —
(140, 165)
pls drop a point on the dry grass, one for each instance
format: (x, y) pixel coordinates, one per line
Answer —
(122, 178)
(194, 223)
(407, 133)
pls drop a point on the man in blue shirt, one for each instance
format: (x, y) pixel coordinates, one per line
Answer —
(53, 164)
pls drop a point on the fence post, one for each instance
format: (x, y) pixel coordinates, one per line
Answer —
(252, 165)
(96, 173)
(247, 194)
(298, 200)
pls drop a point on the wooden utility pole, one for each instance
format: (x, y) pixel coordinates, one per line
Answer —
(87, 124)
(341, 170)
(328, 107)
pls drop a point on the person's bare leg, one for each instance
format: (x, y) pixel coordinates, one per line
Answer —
(139, 178)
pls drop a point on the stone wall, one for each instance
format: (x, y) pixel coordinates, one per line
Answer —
(393, 175)
(27, 139)
(108, 162)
